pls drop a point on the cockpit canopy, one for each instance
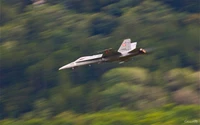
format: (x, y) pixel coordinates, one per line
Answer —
(84, 58)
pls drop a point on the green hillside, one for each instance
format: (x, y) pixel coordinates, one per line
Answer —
(162, 87)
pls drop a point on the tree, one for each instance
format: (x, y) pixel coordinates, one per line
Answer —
(178, 78)
(103, 26)
(184, 5)
(186, 96)
(134, 75)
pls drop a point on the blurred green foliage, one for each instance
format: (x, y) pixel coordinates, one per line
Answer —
(167, 115)
(159, 88)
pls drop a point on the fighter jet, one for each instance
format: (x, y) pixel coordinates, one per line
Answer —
(124, 53)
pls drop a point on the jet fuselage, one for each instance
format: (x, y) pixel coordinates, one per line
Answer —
(99, 58)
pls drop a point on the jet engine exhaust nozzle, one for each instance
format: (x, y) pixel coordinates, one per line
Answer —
(143, 50)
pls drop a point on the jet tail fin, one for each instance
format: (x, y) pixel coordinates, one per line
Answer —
(127, 46)
(133, 45)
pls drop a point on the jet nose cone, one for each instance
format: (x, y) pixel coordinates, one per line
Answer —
(61, 68)
(71, 65)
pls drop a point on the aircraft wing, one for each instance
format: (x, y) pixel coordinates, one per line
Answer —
(110, 52)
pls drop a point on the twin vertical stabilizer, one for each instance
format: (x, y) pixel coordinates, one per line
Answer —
(127, 46)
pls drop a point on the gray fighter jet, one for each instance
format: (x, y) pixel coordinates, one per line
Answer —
(124, 53)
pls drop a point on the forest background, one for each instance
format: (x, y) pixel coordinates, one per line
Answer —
(162, 87)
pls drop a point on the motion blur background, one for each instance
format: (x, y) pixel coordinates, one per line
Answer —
(38, 37)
